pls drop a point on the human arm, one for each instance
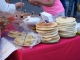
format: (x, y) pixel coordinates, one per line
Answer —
(33, 3)
(10, 8)
(48, 3)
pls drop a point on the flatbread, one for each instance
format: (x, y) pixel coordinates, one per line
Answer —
(51, 40)
(46, 25)
(25, 40)
(66, 26)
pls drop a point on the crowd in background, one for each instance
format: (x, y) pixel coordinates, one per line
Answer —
(54, 8)
(72, 7)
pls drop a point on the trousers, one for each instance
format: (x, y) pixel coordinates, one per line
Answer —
(71, 8)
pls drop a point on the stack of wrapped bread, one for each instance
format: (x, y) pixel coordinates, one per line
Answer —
(23, 39)
(48, 32)
(66, 26)
(14, 34)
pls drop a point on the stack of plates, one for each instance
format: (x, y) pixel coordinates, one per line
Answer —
(48, 32)
(66, 26)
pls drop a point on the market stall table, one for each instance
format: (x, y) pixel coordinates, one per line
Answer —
(66, 49)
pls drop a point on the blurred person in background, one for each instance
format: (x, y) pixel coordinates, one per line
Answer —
(64, 4)
(53, 7)
(5, 6)
(72, 7)
(8, 1)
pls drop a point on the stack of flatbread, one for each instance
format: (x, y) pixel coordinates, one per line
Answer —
(48, 32)
(26, 40)
(14, 34)
(29, 39)
(66, 26)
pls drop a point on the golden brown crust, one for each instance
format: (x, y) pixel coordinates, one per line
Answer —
(46, 25)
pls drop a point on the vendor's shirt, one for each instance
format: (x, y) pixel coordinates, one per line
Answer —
(6, 7)
(55, 9)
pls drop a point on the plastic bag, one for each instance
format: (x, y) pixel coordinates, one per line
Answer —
(20, 26)
(32, 20)
(78, 31)
(37, 38)
(29, 39)
(78, 28)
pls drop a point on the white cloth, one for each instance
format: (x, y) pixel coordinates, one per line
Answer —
(6, 7)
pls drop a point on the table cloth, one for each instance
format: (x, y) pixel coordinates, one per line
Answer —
(66, 49)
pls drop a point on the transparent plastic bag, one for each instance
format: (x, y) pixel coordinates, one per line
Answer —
(36, 38)
(20, 26)
(78, 31)
(78, 28)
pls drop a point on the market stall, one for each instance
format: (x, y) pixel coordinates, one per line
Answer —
(39, 37)
(66, 49)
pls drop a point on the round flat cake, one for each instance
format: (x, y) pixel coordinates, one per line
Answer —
(66, 26)
(48, 32)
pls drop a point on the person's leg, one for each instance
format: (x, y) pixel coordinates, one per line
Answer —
(75, 8)
(64, 4)
(70, 7)
(62, 14)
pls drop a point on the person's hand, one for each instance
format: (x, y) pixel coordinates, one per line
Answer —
(33, 2)
(8, 1)
(19, 4)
